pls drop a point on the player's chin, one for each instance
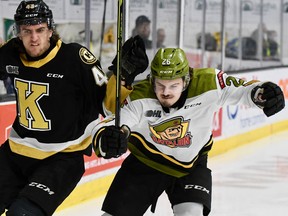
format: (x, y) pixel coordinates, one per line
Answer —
(167, 103)
(34, 53)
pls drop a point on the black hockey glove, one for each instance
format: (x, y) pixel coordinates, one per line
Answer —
(268, 97)
(111, 142)
(134, 59)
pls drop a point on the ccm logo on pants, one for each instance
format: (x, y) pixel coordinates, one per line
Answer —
(197, 187)
(42, 187)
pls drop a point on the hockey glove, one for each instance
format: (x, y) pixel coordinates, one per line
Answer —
(268, 97)
(134, 60)
(111, 142)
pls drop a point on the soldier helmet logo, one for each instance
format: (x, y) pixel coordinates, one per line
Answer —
(86, 56)
(172, 133)
(170, 130)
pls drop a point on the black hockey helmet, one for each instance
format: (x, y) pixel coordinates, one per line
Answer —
(33, 12)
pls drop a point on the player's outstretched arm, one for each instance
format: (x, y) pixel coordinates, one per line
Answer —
(269, 97)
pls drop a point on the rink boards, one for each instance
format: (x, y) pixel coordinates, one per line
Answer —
(232, 126)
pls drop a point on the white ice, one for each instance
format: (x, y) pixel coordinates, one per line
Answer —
(251, 180)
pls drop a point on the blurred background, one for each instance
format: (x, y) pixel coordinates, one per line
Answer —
(246, 38)
(211, 32)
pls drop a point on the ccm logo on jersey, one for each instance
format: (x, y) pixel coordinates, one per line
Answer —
(221, 79)
(42, 187)
(192, 105)
(58, 76)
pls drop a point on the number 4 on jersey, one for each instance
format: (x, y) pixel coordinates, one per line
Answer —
(99, 76)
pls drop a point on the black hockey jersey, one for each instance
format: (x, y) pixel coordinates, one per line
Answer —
(59, 98)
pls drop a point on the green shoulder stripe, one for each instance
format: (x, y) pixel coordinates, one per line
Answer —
(202, 80)
(141, 90)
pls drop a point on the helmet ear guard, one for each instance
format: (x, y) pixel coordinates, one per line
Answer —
(169, 64)
(33, 12)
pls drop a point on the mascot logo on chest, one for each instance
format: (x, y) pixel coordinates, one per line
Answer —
(173, 133)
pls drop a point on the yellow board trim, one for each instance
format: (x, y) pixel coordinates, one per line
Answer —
(87, 191)
(225, 145)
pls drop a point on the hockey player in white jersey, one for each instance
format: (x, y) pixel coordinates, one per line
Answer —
(170, 116)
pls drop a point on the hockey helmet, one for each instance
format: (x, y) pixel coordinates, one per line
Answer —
(169, 64)
(33, 12)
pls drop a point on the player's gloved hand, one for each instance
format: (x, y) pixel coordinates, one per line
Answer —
(111, 141)
(134, 59)
(268, 97)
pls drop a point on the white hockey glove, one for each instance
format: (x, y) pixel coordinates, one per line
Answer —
(268, 97)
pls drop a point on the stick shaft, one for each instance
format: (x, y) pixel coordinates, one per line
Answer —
(118, 74)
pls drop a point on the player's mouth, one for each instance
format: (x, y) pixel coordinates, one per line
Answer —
(167, 97)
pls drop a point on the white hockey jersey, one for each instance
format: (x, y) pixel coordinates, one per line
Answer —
(171, 140)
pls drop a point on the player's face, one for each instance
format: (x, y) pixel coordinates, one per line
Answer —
(168, 91)
(36, 38)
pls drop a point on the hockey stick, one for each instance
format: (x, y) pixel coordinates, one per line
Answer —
(118, 73)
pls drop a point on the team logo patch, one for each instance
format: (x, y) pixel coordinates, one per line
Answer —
(10, 69)
(86, 56)
(172, 133)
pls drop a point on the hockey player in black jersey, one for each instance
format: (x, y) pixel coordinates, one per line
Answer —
(60, 91)
(170, 115)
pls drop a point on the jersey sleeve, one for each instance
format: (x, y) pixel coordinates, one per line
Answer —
(233, 90)
(93, 81)
(98, 86)
(110, 97)
(131, 113)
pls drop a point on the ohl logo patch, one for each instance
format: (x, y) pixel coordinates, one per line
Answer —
(86, 56)
(173, 133)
